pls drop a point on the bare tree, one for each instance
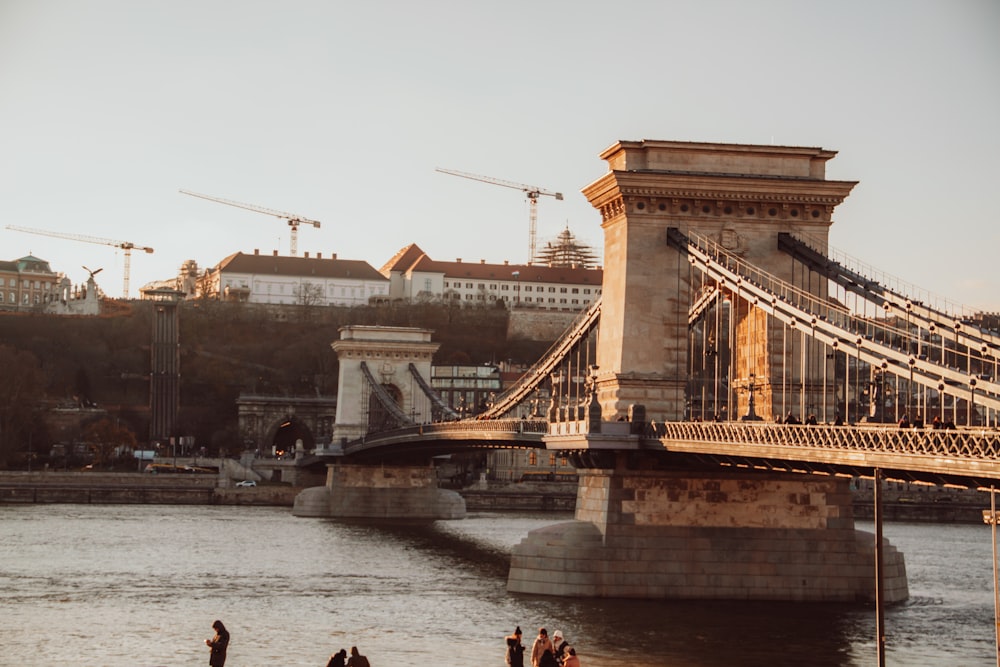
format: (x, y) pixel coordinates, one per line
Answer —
(20, 395)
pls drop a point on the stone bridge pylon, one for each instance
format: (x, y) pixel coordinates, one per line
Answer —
(377, 389)
(742, 197)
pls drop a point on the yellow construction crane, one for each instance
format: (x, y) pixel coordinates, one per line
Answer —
(126, 246)
(293, 220)
(531, 191)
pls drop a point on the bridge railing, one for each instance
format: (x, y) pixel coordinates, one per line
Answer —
(463, 426)
(968, 444)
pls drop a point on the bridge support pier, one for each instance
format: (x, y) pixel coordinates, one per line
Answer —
(380, 492)
(707, 535)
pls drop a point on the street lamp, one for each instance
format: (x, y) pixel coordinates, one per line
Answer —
(517, 287)
(990, 517)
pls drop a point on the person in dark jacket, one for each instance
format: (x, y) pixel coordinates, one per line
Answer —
(338, 659)
(515, 649)
(218, 645)
(356, 659)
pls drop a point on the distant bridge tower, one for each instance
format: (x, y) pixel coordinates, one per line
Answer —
(382, 354)
(165, 364)
(741, 196)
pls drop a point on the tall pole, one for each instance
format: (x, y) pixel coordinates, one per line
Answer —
(879, 592)
(990, 517)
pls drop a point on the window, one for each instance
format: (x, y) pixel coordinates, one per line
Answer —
(1, 297)
(586, 290)
(562, 290)
(576, 290)
(446, 283)
(427, 284)
(468, 285)
(562, 300)
(552, 289)
(482, 286)
(532, 458)
(468, 297)
(504, 288)
(527, 288)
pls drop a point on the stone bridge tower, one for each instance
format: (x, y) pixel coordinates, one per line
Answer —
(741, 196)
(386, 353)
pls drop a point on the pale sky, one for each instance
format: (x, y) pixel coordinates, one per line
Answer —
(340, 112)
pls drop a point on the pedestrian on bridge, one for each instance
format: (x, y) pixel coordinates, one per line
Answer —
(338, 659)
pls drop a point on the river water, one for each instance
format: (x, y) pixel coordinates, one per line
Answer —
(141, 584)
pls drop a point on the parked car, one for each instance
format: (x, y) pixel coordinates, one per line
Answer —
(246, 482)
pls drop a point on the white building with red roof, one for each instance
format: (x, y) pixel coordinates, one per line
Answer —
(413, 276)
(307, 280)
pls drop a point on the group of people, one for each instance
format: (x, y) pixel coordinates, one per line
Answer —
(340, 659)
(219, 644)
(545, 652)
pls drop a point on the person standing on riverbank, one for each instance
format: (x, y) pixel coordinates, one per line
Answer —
(541, 650)
(218, 645)
(356, 659)
(515, 649)
(338, 659)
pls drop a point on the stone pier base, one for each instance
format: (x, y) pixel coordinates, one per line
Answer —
(380, 492)
(684, 535)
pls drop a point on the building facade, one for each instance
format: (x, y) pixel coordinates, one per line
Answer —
(413, 276)
(28, 284)
(284, 280)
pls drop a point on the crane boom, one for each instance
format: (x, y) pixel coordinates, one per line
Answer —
(126, 246)
(531, 192)
(293, 219)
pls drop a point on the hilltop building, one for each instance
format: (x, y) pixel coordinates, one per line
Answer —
(304, 281)
(567, 251)
(29, 284)
(413, 276)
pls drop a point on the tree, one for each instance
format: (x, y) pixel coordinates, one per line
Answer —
(20, 395)
(309, 294)
(108, 439)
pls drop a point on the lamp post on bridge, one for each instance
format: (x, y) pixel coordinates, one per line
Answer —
(517, 287)
(990, 517)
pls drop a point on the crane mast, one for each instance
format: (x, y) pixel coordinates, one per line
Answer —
(126, 246)
(292, 219)
(531, 192)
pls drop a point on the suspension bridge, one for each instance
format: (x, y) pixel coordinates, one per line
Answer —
(736, 374)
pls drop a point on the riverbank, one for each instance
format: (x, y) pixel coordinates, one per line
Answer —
(135, 488)
(931, 506)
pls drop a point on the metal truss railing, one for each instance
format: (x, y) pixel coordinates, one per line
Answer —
(440, 407)
(456, 430)
(830, 324)
(539, 372)
(391, 407)
(966, 444)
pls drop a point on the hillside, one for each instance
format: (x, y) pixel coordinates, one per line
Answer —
(225, 349)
